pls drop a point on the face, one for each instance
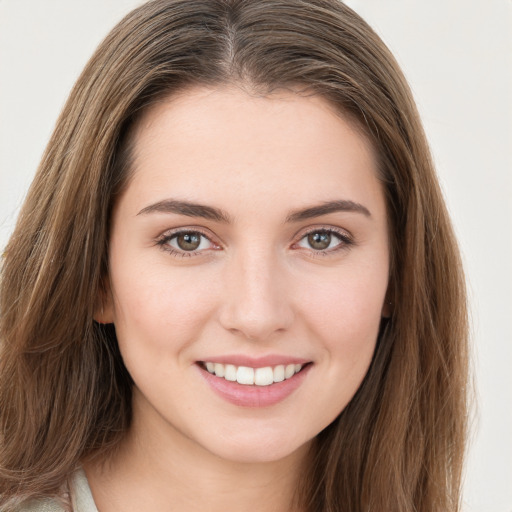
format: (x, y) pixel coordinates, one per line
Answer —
(249, 268)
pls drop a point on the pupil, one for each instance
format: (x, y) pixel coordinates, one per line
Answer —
(189, 241)
(319, 240)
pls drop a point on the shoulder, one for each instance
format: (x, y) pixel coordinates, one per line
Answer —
(81, 498)
(45, 505)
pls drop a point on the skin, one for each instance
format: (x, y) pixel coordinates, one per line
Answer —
(254, 287)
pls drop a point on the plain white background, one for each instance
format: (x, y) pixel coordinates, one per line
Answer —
(457, 56)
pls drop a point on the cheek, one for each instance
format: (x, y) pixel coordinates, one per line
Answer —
(343, 316)
(348, 305)
(156, 305)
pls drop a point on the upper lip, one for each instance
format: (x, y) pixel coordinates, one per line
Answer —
(255, 362)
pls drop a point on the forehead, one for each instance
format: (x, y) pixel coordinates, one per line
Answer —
(214, 144)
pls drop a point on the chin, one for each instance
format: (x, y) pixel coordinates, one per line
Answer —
(258, 449)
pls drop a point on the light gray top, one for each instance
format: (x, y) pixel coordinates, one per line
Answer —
(81, 498)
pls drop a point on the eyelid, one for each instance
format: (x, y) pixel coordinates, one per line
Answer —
(346, 238)
(163, 239)
(322, 227)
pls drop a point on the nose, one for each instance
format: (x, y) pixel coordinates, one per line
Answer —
(256, 301)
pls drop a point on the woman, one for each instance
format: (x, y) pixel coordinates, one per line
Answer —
(234, 280)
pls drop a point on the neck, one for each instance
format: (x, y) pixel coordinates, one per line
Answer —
(168, 471)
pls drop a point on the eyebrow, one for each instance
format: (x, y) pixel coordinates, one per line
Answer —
(342, 205)
(190, 209)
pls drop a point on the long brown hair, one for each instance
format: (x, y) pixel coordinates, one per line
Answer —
(64, 392)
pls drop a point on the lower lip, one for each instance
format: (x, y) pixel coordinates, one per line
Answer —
(254, 396)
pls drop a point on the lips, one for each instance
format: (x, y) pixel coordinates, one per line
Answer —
(263, 376)
(248, 382)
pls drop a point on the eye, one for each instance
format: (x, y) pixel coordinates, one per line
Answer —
(324, 240)
(186, 242)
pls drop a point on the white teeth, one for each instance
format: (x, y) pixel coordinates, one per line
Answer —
(245, 375)
(230, 373)
(219, 370)
(253, 376)
(263, 376)
(279, 373)
(289, 371)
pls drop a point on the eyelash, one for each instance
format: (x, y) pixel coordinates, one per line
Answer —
(163, 242)
(345, 241)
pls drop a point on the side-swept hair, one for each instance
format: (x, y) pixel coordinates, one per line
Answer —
(64, 392)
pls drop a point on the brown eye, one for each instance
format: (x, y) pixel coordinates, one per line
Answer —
(189, 241)
(319, 240)
(325, 241)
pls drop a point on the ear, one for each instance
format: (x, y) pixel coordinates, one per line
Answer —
(104, 310)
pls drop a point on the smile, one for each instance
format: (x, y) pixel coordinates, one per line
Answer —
(248, 376)
(252, 382)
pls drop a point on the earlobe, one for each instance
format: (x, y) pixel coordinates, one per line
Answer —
(104, 311)
(387, 309)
